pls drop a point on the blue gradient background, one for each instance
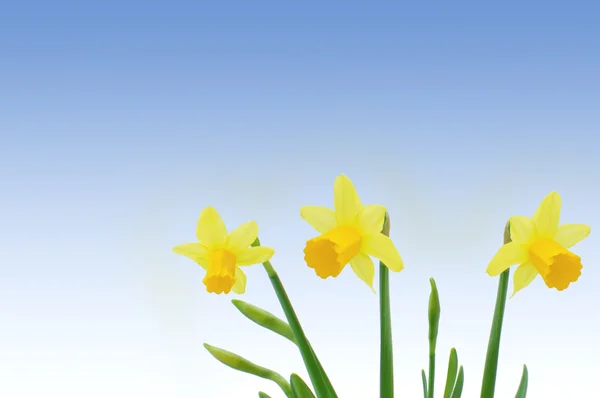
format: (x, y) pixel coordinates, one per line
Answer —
(121, 121)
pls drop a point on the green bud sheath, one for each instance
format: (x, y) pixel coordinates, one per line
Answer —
(433, 315)
(265, 319)
(236, 362)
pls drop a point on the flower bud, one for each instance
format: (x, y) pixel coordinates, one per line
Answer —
(265, 319)
(434, 315)
(236, 362)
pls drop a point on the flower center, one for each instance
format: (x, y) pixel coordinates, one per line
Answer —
(558, 266)
(220, 273)
(329, 253)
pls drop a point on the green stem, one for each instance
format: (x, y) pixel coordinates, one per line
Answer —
(491, 359)
(431, 373)
(386, 375)
(318, 378)
(493, 350)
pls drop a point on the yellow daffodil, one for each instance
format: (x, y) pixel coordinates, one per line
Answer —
(540, 246)
(348, 235)
(221, 254)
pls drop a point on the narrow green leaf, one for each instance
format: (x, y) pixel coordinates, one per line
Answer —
(424, 378)
(522, 391)
(451, 376)
(236, 362)
(299, 387)
(386, 360)
(488, 384)
(318, 377)
(265, 319)
(263, 395)
(459, 384)
(434, 323)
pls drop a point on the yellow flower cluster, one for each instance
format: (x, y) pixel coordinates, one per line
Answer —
(351, 233)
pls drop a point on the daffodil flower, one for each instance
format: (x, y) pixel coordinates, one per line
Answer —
(540, 246)
(350, 234)
(221, 254)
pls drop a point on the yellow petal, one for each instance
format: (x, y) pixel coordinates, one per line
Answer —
(510, 254)
(522, 229)
(242, 237)
(363, 267)
(195, 251)
(211, 230)
(345, 200)
(370, 219)
(239, 285)
(320, 218)
(382, 247)
(568, 235)
(547, 215)
(524, 275)
(254, 255)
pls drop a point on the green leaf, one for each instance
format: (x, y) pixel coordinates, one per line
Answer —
(424, 378)
(299, 387)
(265, 319)
(318, 377)
(263, 395)
(459, 384)
(488, 384)
(434, 323)
(522, 391)
(386, 360)
(236, 362)
(451, 376)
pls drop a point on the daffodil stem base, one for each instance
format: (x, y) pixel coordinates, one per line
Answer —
(431, 378)
(493, 350)
(386, 369)
(318, 377)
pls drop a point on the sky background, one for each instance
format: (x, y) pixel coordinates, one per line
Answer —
(121, 121)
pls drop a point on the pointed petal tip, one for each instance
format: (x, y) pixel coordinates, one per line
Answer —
(179, 249)
(343, 177)
(208, 209)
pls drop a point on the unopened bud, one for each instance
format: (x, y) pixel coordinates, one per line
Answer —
(265, 319)
(236, 362)
(434, 315)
